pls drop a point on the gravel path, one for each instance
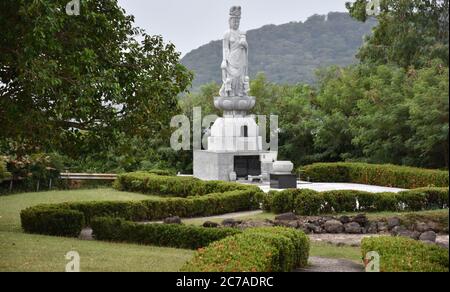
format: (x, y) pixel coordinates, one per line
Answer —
(319, 264)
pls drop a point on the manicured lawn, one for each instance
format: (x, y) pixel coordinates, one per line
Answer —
(25, 252)
(10, 206)
(326, 250)
(36, 253)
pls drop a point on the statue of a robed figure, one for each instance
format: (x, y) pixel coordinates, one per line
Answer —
(234, 99)
(235, 58)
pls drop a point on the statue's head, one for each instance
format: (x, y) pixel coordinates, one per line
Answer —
(235, 17)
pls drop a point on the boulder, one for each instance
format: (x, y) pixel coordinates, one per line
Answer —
(361, 219)
(344, 219)
(286, 217)
(422, 227)
(393, 222)
(316, 229)
(209, 224)
(334, 226)
(353, 228)
(230, 222)
(382, 227)
(372, 228)
(172, 220)
(428, 236)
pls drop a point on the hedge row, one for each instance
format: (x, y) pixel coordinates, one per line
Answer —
(173, 186)
(40, 219)
(399, 254)
(52, 221)
(308, 202)
(272, 249)
(167, 235)
(376, 174)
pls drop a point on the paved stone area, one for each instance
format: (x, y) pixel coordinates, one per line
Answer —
(319, 264)
(323, 187)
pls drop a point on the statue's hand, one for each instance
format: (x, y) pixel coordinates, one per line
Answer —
(224, 64)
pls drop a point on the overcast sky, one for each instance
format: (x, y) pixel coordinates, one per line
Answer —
(192, 23)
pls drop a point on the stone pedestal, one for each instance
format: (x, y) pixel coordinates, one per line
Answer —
(283, 181)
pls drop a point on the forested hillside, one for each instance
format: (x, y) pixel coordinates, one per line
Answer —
(288, 53)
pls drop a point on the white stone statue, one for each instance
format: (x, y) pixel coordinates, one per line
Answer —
(235, 59)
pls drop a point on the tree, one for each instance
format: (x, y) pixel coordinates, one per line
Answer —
(69, 83)
(409, 33)
(428, 110)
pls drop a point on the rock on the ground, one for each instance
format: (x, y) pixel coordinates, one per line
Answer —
(428, 236)
(372, 228)
(172, 220)
(286, 217)
(422, 227)
(314, 228)
(393, 222)
(209, 224)
(231, 222)
(353, 228)
(334, 226)
(382, 227)
(344, 219)
(361, 219)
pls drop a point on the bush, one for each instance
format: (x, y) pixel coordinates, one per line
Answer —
(307, 202)
(4, 174)
(255, 250)
(376, 174)
(399, 254)
(173, 186)
(54, 221)
(156, 209)
(177, 236)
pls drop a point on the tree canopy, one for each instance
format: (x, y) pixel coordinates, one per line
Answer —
(71, 83)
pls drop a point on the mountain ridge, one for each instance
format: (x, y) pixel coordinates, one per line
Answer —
(290, 52)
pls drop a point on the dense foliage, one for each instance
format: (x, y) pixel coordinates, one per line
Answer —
(167, 235)
(375, 174)
(399, 254)
(255, 250)
(306, 202)
(79, 85)
(288, 53)
(4, 174)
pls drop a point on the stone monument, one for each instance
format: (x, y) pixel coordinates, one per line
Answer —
(235, 148)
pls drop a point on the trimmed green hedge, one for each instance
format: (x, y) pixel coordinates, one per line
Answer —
(399, 254)
(173, 186)
(308, 202)
(273, 249)
(154, 209)
(52, 221)
(376, 174)
(168, 235)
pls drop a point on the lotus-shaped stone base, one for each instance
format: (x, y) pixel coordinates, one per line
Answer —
(237, 104)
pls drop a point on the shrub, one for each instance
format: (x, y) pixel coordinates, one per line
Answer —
(255, 250)
(173, 186)
(4, 174)
(177, 236)
(399, 254)
(307, 202)
(376, 174)
(54, 221)
(155, 209)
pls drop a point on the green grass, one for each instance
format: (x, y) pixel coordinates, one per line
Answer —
(259, 217)
(10, 206)
(319, 249)
(36, 253)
